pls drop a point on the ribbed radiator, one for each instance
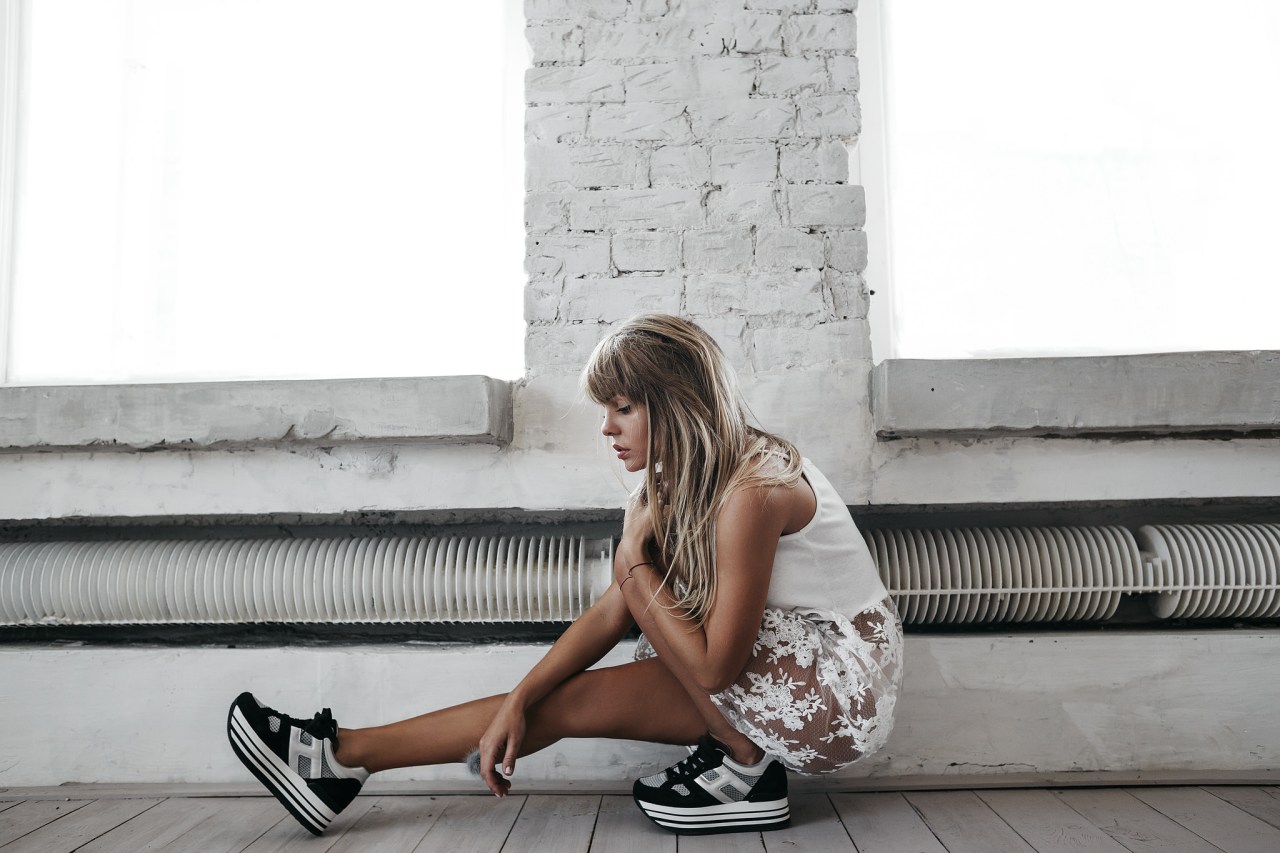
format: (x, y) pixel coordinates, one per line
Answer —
(353, 580)
(1062, 574)
(937, 576)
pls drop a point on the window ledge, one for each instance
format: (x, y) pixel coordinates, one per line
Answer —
(207, 415)
(1187, 393)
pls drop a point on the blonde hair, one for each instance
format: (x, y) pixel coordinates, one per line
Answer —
(701, 448)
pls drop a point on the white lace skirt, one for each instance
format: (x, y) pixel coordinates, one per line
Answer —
(819, 690)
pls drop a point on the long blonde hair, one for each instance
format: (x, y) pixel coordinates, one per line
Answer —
(701, 448)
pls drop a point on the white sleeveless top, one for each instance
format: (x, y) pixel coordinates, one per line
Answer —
(826, 564)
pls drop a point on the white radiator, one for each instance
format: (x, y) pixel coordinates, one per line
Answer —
(1058, 574)
(940, 576)
(351, 580)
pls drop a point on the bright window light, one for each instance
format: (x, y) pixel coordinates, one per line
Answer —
(254, 189)
(1085, 179)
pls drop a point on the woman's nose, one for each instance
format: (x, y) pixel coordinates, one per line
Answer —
(606, 426)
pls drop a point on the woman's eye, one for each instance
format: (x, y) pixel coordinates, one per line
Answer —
(622, 410)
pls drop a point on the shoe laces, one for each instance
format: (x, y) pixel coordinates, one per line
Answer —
(321, 726)
(706, 756)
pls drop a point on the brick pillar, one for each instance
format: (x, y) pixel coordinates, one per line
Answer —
(690, 156)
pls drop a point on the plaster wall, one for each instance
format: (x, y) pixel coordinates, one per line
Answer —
(1060, 706)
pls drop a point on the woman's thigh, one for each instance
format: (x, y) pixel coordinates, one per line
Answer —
(640, 700)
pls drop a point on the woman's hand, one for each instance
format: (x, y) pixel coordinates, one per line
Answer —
(502, 740)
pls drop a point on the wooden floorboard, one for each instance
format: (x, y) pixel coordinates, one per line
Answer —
(1259, 802)
(79, 827)
(814, 826)
(473, 825)
(1048, 824)
(964, 823)
(1132, 822)
(29, 816)
(1216, 819)
(884, 823)
(560, 823)
(1213, 819)
(623, 828)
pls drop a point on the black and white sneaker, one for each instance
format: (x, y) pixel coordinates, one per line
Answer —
(294, 759)
(709, 793)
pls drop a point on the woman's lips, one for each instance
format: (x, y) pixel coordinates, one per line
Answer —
(621, 451)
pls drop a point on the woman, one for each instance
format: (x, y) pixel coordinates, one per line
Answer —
(768, 639)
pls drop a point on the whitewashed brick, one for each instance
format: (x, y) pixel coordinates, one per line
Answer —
(545, 210)
(566, 255)
(791, 75)
(825, 161)
(788, 249)
(680, 165)
(806, 33)
(583, 166)
(617, 298)
(558, 123)
(636, 209)
(829, 115)
(733, 336)
(790, 347)
(846, 295)
(742, 118)
(542, 300)
(837, 5)
(838, 205)
(847, 250)
(722, 77)
(797, 294)
(560, 348)
(591, 82)
(551, 10)
(717, 249)
(633, 120)
(744, 33)
(646, 251)
(561, 42)
(752, 204)
(845, 76)
(744, 163)
(643, 9)
(666, 39)
(780, 5)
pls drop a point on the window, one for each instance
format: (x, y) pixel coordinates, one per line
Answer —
(255, 189)
(1070, 180)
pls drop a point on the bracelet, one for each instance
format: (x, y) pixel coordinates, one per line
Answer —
(629, 576)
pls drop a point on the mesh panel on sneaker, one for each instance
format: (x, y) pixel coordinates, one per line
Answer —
(655, 780)
(711, 775)
(326, 772)
(305, 738)
(681, 790)
(274, 723)
(304, 767)
(732, 792)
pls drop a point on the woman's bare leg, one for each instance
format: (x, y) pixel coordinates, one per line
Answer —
(638, 701)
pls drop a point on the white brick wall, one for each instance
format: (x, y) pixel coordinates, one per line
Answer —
(691, 156)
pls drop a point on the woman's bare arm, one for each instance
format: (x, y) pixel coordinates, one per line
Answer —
(747, 533)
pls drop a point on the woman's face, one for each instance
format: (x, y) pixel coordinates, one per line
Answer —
(627, 426)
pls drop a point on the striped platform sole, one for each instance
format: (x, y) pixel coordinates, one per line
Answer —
(726, 817)
(288, 787)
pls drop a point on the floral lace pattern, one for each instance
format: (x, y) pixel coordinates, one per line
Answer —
(819, 690)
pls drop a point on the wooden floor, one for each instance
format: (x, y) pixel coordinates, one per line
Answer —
(1150, 820)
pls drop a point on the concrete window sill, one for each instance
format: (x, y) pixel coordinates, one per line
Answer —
(206, 415)
(1192, 393)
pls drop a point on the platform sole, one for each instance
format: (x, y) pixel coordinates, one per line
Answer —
(287, 786)
(725, 817)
